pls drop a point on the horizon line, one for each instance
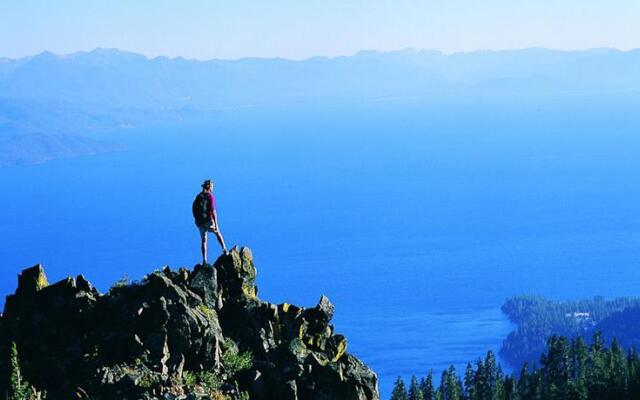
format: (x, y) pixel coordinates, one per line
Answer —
(356, 53)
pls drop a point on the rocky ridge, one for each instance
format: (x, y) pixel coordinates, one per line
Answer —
(177, 334)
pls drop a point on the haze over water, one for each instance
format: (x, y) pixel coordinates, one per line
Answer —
(417, 218)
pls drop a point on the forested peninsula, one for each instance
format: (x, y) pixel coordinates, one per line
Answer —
(561, 350)
(568, 370)
(537, 319)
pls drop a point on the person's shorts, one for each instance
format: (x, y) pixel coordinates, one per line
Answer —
(204, 228)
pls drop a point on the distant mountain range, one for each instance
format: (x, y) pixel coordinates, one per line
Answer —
(87, 91)
(116, 78)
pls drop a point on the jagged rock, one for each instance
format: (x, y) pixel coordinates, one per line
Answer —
(325, 309)
(204, 282)
(50, 324)
(290, 343)
(138, 340)
(288, 391)
(31, 280)
(237, 275)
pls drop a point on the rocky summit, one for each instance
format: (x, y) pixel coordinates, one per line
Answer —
(176, 334)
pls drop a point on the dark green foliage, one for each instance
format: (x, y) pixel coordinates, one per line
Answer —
(19, 387)
(537, 319)
(427, 388)
(470, 390)
(235, 361)
(415, 393)
(450, 385)
(399, 390)
(209, 381)
(569, 370)
(624, 325)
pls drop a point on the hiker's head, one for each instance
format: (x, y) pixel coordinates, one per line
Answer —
(207, 185)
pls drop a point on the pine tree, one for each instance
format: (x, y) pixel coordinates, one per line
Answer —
(577, 389)
(579, 355)
(510, 388)
(596, 373)
(426, 385)
(556, 367)
(633, 372)
(499, 392)
(19, 387)
(486, 377)
(414, 390)
(536, 385)
(491, 373)
(442, 389)
(450, 385)
(480, 380)
(523, 384)
(470, 392)
(399, 390)
(618, 371)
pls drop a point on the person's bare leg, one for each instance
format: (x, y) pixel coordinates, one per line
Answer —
(220, 240)
(204, 249)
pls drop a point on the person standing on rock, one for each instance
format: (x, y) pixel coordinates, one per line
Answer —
(206, 217)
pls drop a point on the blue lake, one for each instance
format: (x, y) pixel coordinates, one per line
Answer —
(417, 218)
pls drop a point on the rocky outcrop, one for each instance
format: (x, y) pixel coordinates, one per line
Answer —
(202, 333)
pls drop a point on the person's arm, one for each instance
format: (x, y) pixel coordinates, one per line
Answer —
(212, 210)
(215, 219)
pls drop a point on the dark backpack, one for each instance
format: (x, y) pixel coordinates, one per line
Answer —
(200, 208)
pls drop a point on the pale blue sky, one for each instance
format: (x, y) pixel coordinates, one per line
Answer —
(304, 28)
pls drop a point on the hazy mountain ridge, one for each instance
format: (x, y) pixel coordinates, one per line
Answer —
(107, 88)
(123, 79)
(34, 131)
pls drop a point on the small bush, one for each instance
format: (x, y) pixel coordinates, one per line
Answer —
(206, 311)
(189, 378)
(149, 381)
(235, 361)
(209, 381)
(19, 387)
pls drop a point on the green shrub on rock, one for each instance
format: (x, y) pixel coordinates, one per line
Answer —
(209, 381)
(189, 379)
(149, 381)
(19, 387)
(206, 311)
(235, 361)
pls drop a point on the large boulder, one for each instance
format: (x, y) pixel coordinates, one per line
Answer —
(52, 325)
(149, 339)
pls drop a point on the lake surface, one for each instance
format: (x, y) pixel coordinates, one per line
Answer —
(417, 218)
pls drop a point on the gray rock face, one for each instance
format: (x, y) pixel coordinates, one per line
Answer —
(139, 340)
